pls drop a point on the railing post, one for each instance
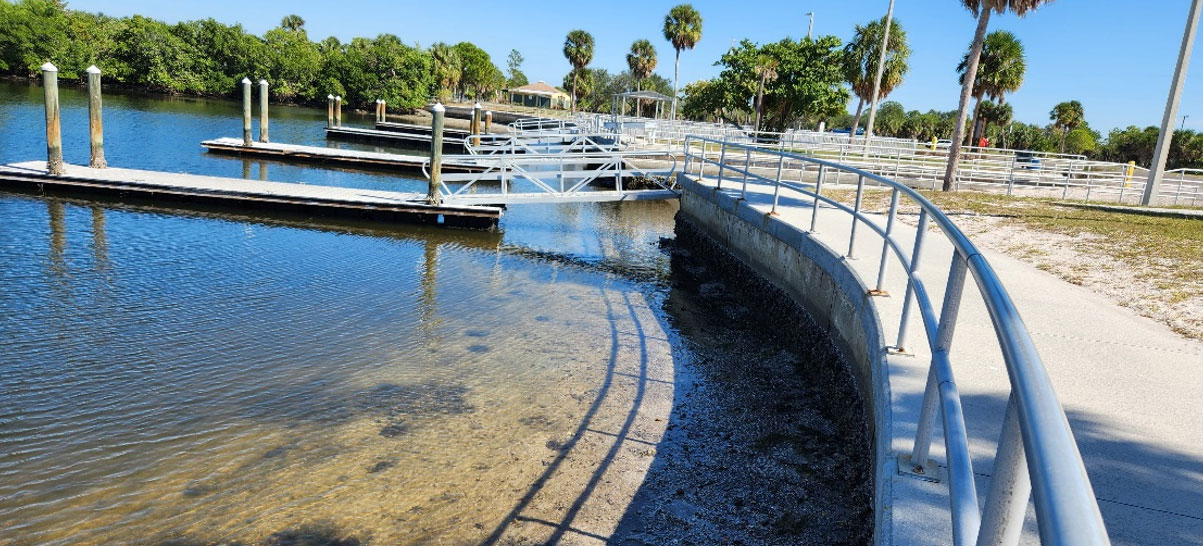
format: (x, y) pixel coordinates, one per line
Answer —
(1181, 177)
(433, 193)
(54, 135)
(329, 110)
(338, 111)
(1011, 177)
(747, 169)
(916, 255)
(1010, 486)
(263, 115)
(95, 121)
(860, 191)
(722, 164)
(885, 246)
(777, 185)
(814, 212)
(246, 112)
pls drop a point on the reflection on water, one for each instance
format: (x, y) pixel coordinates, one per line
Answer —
(216, 380)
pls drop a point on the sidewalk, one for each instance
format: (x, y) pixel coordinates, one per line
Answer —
(1132, 389)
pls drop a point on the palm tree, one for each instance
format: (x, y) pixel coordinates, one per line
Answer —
(766, 70)
(293, 22)
(1000, 71)
(990, 112)
(447, 69)
(642, 61)
(682, 27)
(862, 55)
(578, 48)
(1067, 116)
(981, 9)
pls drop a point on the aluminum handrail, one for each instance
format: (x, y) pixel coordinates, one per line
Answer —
(1036, 452)
(544, 171)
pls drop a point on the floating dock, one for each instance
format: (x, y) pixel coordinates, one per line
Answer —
(347, 158)
(241, 195)
(453, 141)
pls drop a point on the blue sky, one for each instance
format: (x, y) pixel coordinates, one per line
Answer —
(1115, 56)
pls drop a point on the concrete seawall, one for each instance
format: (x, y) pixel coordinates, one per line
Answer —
(820, 282)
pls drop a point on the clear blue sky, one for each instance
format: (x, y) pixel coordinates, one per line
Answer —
(1115, 56)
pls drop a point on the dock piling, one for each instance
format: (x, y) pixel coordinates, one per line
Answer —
(476, 115)
(54, 135)
(95, 126)
(263, 111)
(433, 196)
(489, 121)
(338, 111)
(246, 111)
(383, 110)
(329, 110)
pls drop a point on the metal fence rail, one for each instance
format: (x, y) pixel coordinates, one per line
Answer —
(1036, 455)
(562, 177)
(539, 142)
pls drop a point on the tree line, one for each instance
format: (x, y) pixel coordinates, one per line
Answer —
(209, 58)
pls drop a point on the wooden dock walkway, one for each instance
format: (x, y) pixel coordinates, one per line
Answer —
(156, 187)
(347, 158)
(453, 141)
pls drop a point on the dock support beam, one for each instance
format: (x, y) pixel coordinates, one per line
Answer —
(263, 111)
(338, 111)
(246, 111)
(433, 196)
(95, 125)
(54, 135)
(329, 110)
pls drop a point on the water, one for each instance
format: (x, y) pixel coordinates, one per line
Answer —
(193, 378)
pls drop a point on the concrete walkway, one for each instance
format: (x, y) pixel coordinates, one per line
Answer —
(1133, 389)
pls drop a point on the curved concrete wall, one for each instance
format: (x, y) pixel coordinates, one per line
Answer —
(820, 282)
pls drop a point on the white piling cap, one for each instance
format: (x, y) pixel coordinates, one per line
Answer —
(49, 67)
(438, 107)
(246, 80)
(477, 106)
(93, 70)
(489, 113)
(262, 82)
(331, 97)
(339, 97)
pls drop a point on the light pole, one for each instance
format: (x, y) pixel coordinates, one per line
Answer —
(810, 31)
(1183, 126)
(881, 68)
(1153, 186)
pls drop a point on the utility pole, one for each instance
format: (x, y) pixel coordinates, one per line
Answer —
(1153, 186)
(811, 31)
(881, 69)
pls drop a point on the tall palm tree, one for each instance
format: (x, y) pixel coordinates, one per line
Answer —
(642, 61)
(293, 22)
(578, 48)
(1067, 116)
(447, 69)
(981, 9)
(766, 70)
(682, 27)
(1000, 70)
(862, 54)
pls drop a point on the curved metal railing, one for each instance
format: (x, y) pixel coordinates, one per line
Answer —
(1036, 454)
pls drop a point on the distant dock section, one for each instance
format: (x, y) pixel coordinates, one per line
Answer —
(399, 134)
(336, 156)
(241, 195)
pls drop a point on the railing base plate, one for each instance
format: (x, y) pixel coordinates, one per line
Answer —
(930, 471)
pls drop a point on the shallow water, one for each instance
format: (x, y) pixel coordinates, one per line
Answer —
(192, 378)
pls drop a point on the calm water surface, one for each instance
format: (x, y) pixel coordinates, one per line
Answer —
(192, 379)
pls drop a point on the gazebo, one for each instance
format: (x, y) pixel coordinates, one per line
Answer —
(658, 98)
